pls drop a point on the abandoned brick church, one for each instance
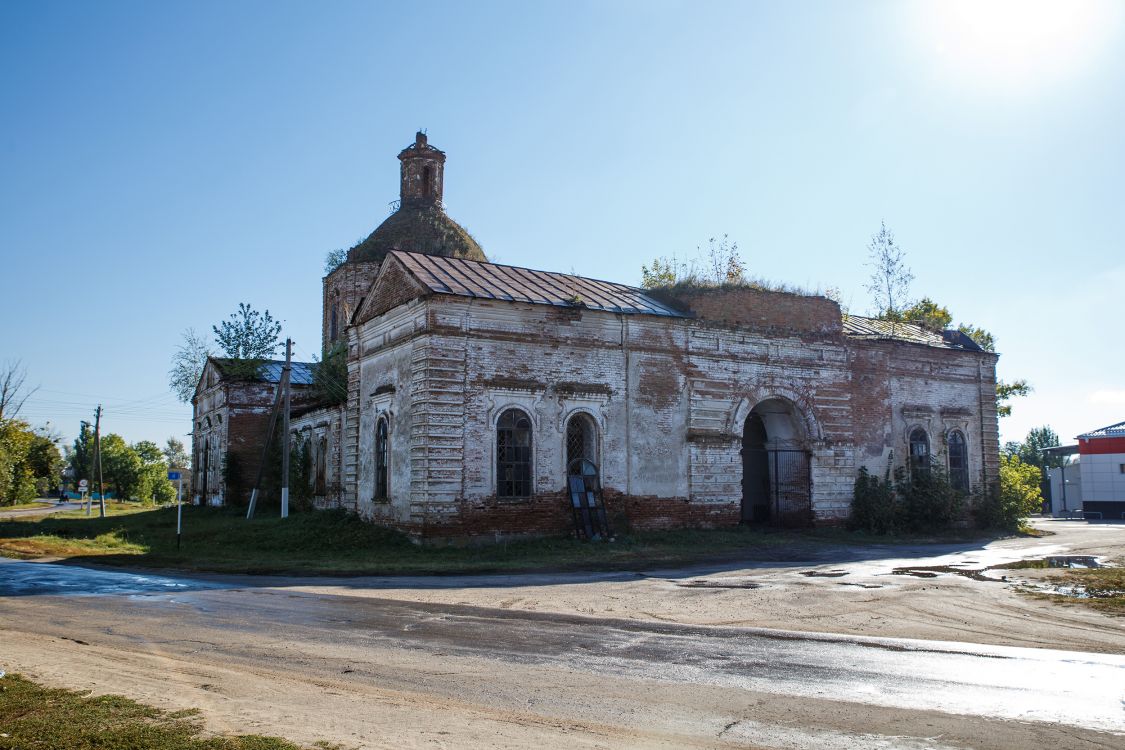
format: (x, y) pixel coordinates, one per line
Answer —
(472, 387)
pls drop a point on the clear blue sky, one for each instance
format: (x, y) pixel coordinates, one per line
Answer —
(162, 162)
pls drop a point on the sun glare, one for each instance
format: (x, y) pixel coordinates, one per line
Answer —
(1019, 42)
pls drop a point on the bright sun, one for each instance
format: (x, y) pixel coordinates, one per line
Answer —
(1019, 42)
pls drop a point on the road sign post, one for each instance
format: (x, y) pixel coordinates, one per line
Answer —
(83, 487)
(174, 476)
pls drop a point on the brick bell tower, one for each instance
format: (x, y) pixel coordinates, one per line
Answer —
(422, 173)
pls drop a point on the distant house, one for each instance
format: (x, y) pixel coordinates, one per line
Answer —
(1102, 454)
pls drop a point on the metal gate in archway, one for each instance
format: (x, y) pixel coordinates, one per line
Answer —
(777, 486)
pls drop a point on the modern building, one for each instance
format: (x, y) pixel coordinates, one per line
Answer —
(1102, 453)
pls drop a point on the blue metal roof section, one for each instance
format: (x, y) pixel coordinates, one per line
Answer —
(469, 278)
(301, 372)
(1113, 430)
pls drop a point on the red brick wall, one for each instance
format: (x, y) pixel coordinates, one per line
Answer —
(758, 309)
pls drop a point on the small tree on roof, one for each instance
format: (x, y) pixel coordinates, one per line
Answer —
(248, 334)
(890, 276)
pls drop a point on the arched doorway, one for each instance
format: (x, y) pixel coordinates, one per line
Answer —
(755, 471)
(776, 477)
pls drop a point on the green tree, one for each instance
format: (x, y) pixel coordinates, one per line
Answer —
(1005, 392)
(889, 285)
(982, 337)
(330, 375)
(17, 475)
(720, 265)
(80, 457)
(334, 260)
(45, 462)
(187, 365)
(13, 390)
(175, 454)
(248, 334)
(663, 272)
(928, 314)
(1030, 450)
(121, 467)
(1017, 498)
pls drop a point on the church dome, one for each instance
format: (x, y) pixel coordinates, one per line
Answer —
(420, 224)
(418, 229)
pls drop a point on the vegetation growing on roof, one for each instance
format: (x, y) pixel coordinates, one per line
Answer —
(330, 375)
(421, 229)
(720, 266)
(334, 259)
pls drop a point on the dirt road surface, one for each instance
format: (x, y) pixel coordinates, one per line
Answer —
(654, 659)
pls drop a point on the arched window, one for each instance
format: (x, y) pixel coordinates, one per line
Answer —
(309, 460)
(321, 467)
(958, 461)
(428, 182)
(334, 325)
(513, 454)
(919, 453)
(581, 439)
(381, 459)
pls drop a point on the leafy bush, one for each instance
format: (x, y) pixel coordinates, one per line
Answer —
(1017, 498)
(928, 502)
(922, 502)
(873, 506)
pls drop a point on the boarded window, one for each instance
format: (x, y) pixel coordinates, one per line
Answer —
(321, 468)
(513, 454)
(958, 461)
(919, 453)
(381, 459)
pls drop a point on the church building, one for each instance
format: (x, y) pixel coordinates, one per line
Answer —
(473, 389)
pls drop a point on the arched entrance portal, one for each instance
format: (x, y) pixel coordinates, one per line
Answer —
(776, 481)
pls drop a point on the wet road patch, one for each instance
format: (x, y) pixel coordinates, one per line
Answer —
(19, 578)
(719, 583)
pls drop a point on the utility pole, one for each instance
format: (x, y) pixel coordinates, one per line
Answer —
(282, 385)
(98, 457)
(285, 378)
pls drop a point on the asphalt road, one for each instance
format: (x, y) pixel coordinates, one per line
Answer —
(562, 680)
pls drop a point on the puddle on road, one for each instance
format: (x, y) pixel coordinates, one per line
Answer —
(718, 583)
(1068, 589)
(933, 571)
(824, 573)
(1072, 561)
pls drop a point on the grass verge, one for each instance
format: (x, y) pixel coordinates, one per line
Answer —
(335, 542)
(32, 716)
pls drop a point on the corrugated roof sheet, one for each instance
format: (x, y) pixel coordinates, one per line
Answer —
(467, 278)
(1113, 430)
(857, 326)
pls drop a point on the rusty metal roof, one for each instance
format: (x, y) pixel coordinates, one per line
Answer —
(859, 327)
(468, 278)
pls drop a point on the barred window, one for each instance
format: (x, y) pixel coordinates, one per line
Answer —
(581, 439)
(513, 454)
(958, 461)
(919, 453)
(381, 459)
